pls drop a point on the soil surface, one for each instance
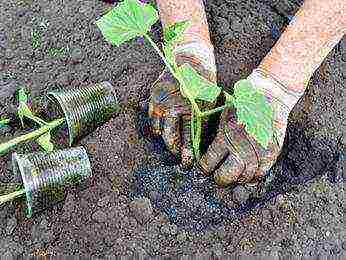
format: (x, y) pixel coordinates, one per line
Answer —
(139, 201)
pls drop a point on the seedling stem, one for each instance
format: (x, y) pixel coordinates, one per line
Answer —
(171, 69)
(11, 196)
(196, 112)
(213, 111)
(4, 122)
(32, 135)
(37, 120)
(130, 19)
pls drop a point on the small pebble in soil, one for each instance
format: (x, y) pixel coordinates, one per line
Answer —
(223, 25)
(64, 78)
(3, 39)
(218, 250)
(335, 250)
(236, 26)
(77, 55)
(104, 201)
(100, 216)
(35, 7)
(9, 54)
(182, 237)
(280, 199)
(343, 245)
(141, 209)
(5, 130)
(68, 208)
(169, 229)
(11, 225)
(41, 233)
(240, 194)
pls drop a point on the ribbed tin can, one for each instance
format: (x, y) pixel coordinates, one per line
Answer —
(46, 176)
(86, 108)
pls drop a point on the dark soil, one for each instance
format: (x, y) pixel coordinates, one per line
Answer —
(141, 203)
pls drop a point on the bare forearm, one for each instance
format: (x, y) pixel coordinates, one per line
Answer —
(196, 44)
(316, 29)
(172, 11)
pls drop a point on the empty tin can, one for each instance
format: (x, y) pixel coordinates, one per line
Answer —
(86, 108)
(46, 176)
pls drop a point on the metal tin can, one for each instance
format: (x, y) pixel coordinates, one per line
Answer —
(46, 176)
(86, 108)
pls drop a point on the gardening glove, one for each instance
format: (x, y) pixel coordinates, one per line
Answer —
(236, 156)
(282, 76)
(169, 111)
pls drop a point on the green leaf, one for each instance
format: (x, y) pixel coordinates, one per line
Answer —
(197, 87)
(4, 121)
(254, 112)
(229, 99)
(126, 21)
(169, 55)
(45, 143)
(22, 97)
(36, 39)
(23, 109)
(173, 33)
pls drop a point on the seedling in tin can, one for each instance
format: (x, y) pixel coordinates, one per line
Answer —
(41, 135)
(84, 109)
(131, 19)
(46, 176)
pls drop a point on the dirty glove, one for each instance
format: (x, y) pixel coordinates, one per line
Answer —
(237, 157)
(283, 75)
(170, 113)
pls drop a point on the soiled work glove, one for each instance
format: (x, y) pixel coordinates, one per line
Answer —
(170, 113)
(234, 156)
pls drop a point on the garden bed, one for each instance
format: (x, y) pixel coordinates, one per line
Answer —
(124, 211)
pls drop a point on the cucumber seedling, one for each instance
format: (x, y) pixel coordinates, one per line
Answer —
(4, 122)
(41, 135)
(131, 19)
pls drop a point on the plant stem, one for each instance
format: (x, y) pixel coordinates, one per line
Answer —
(171, 69)
(11, 196)
(192, 126)
(4, 121)
(213, 111)
(195, 109)
(198, 136)
(36, 119)
(32, 135)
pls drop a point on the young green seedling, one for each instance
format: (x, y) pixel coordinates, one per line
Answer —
(41, 135)
(4, 122)
(56, 51)
(11, 196)
(36, 39)
(131, 19)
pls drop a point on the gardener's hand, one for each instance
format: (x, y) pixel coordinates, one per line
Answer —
(234, 156)
(170, 113)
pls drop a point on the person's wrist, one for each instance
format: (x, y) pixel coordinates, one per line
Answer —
(200, 56)
(273, 89)
(281, 100)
